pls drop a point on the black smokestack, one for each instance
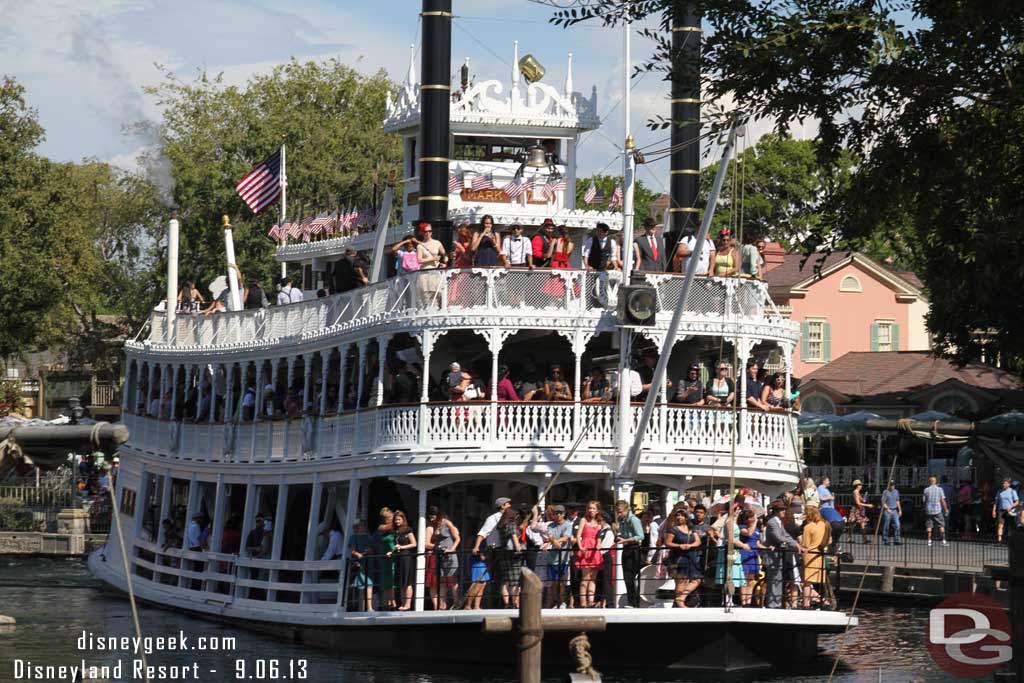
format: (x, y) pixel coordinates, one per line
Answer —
(435, 98)
(685, 160)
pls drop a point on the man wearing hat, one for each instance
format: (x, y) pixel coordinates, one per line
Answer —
(649, 249)
(488, 534)
(691, 389)
(891, 513)
(540, 243)
(560, 537)
(781, 546)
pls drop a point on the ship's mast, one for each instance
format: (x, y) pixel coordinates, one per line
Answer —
(435, 101)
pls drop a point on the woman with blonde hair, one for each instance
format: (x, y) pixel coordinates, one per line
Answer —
(384, 563)
(817, 534)
(588, 557)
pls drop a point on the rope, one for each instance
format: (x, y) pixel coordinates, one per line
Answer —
(127, 572)
(580, 648)
(863, 576)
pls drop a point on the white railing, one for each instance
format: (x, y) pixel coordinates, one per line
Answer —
(542, 292)
(468, 425)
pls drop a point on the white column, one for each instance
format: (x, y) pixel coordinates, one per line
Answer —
(361, 370)
(743, 347)
(325, 365)
(312, 529)
(248, 513)
(259, 392)
(426, 346)
(233, 283)
(492, 408)
(382, 356)
(129, 370)
(273, 380)
(190, 511)
(288, 421)
(165, 505)
(172, 278)
(279, 520)
(137, 389)
(307, 378)
(342, 366)
(421, 560)
(163, 390)
(152, 386)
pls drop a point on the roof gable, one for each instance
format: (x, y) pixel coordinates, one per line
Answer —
(798, 272)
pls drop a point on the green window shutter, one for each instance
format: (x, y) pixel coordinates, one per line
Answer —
(895, 337)
(874, 336)
(826, 341)
(804, 335)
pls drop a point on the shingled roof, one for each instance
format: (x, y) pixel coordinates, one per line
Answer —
(889, 373)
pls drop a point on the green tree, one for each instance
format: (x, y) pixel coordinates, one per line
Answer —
(778, 191)
(642, 196)
(72, 267)
(327, 114)
(933, 111)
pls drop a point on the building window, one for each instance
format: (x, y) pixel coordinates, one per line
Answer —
(818, 403)
(954, 403)
(885, 336)
(12, 373)
(815, 338)
(850, 284)
(128, 502)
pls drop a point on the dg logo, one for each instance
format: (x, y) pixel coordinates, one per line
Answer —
(969, 635)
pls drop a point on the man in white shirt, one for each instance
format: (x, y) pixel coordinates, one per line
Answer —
(685, 249)
(288, 294)
(488, 534)
(517, 249)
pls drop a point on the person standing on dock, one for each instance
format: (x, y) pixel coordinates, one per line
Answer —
(935, 509)
(631, 536)
(1006, 503)
(892, 510)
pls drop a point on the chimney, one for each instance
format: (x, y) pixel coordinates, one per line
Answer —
(685, 161)
(172, 277)
(435, 99)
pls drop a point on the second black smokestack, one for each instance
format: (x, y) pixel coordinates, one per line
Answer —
(685, 159)
(435, 99)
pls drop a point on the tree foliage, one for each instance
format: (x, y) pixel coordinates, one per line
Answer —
(933, 110)
(72, 258)
(328, 116)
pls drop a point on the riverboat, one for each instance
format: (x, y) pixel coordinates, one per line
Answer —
(321, 441)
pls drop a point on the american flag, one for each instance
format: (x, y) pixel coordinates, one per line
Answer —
(294, 230)
(482, 182)
(332, 222)
(274, 234)
(319, 224)
(591, 194)
(262, 185)
(616, 201)
(454, 183)
(515, 189)
(554, 186)
(305, 228)
(599, 197)
(530, 185)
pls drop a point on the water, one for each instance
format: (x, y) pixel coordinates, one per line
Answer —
(55, 600)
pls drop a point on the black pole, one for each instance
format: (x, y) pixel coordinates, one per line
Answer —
(435, 99)
(683, 214)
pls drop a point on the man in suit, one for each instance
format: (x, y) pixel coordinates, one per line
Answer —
(649, 250)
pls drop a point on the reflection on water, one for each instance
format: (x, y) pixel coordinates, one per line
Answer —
(54, 601)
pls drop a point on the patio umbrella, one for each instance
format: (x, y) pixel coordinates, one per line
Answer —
(1011, 418)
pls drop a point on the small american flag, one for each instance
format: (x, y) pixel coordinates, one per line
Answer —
(482, 182)
(552, 188)
(515, 189)
(262, 185)
(305, 228)
(331, 224)
(318, 225)
(599, 197)
(616, 201)
(530, 185)
(273, 233)
(591, 194)
(294, 230)
(454, 183)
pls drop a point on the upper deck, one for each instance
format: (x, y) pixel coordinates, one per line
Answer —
(471, 298)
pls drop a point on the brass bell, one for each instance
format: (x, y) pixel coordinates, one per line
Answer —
(531, 69)
(535, 157)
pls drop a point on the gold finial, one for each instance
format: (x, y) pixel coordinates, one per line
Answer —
(226, 222)
(629, 142)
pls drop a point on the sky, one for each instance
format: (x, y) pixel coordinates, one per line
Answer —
(85, 64)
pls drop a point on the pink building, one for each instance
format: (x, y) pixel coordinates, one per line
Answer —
(847, 302)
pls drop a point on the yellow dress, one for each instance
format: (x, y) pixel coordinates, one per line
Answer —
(815, 537)
(723, 263)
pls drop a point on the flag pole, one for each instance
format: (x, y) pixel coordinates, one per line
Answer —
(284, 205)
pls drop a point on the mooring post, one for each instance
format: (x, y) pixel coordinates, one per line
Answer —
(531, 630)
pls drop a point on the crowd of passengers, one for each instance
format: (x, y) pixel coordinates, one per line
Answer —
(484, 246)
(781, 557)
(527, 382)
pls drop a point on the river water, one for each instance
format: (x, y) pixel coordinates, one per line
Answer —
(55, 600)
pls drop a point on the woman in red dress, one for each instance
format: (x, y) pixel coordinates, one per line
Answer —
(559, 250)
(463, 258)
(588, 557)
